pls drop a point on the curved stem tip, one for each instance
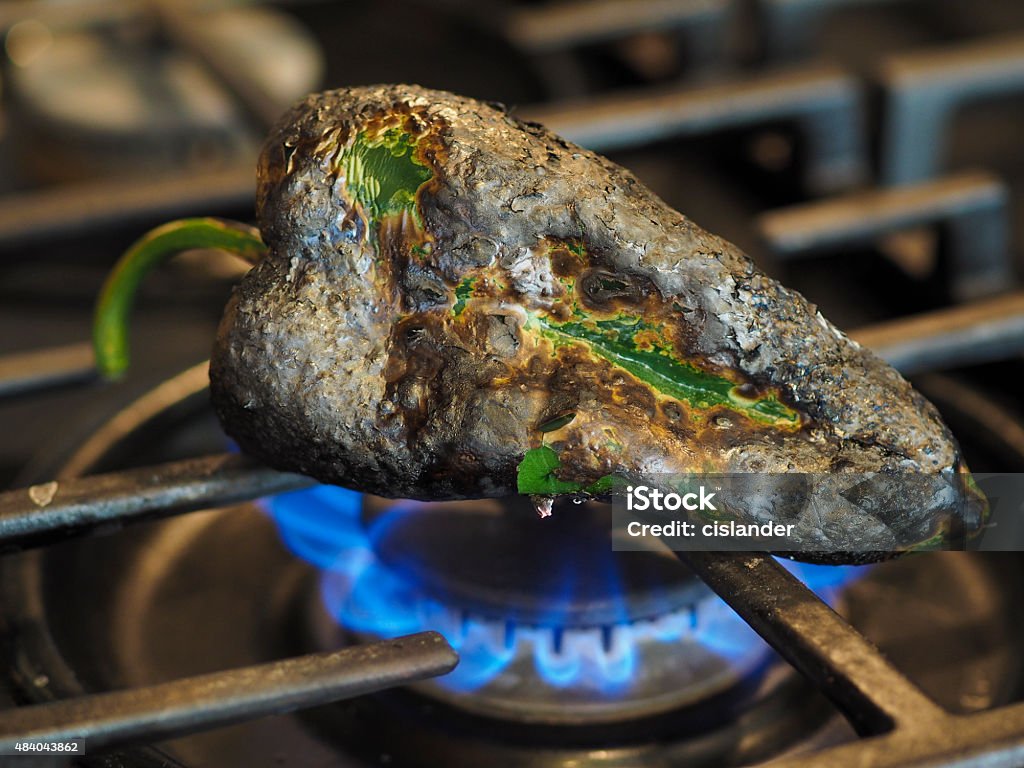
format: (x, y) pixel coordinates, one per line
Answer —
(110, 323)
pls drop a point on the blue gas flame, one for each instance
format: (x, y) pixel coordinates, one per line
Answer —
(323, 526)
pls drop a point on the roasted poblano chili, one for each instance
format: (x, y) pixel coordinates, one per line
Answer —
(453, 303)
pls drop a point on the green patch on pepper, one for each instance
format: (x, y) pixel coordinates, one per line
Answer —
(536, 476)
(616, 340)
(383, 174)
(462, 293)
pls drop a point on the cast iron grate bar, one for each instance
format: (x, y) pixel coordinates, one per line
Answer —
(552, 33)
(44, 513)
(41, 369)
(196, 704)
(874, 696)
(81, 209)
(789, 26)
(924, 90)
(568, 23)
(970, 211)
(824, 102)
(981, 332)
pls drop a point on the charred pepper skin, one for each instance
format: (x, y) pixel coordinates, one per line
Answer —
(448, 287)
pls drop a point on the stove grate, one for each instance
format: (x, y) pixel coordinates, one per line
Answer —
(924, 90)
(970, 210)
(195, 704)
(905, 727)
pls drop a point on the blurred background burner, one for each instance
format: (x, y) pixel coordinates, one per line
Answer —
(122, 93)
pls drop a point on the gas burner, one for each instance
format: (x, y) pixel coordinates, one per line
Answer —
(552, 626)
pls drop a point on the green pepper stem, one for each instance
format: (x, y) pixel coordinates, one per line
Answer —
(110, 323)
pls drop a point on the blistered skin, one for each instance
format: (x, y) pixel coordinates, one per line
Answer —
(445, 282)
